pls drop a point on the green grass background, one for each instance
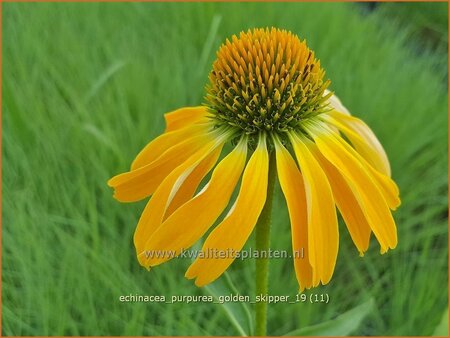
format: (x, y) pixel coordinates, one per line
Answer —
(85, 87)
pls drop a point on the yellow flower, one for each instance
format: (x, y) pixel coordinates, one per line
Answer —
(267, 94)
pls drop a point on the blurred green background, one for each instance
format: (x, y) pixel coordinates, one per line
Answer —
(85, 87)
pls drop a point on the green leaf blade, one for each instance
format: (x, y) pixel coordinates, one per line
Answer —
(342, 325)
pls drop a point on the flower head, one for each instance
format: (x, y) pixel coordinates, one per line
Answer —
(268, 94)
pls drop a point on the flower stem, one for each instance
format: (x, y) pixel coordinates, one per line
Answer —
(262, 247)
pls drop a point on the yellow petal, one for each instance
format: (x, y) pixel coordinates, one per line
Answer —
(190, 185)
(291, 182)
(140, 183)
(231, 234)
(363, 139)
(190, 221)
(159, 145)
(323, 235)
(347, 203)
(177, 180)
(336, 103)
(362, 184)
(185, 116)
(386, 185)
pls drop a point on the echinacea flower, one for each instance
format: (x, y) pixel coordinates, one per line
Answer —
(267, 94)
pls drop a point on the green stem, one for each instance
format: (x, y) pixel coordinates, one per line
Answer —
(262, 246)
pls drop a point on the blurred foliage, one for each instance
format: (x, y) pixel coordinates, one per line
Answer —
(427, 24)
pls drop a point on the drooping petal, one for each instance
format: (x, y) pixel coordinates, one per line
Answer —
(190, 221)
(362, 138)
(159, 145)
(184, 117)
(336, 103)
(347, 204)
(291, 182)
(190, 185)
(232, 233)
(386, 185)
(153, 214)
(140, 183)
(362, 184)
(323, 235)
